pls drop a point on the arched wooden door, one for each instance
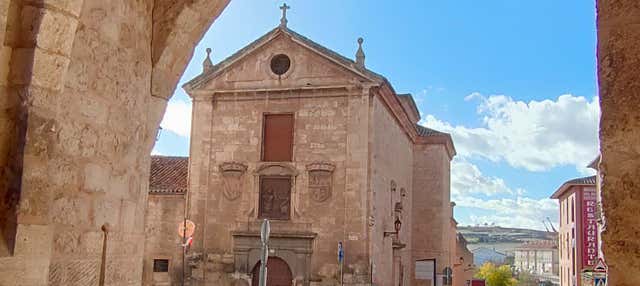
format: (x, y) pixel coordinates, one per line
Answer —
(278, 271)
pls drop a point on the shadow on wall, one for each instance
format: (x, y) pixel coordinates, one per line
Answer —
(15, 112)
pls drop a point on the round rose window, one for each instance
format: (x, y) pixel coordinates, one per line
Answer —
(280, 64)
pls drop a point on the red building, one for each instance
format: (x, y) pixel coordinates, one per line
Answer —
(578, 234)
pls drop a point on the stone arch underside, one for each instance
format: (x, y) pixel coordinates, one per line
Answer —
(84, 86)
(52, 82)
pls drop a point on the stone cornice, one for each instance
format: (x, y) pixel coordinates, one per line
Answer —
(394, 105)
(253, 94)
(298, 235)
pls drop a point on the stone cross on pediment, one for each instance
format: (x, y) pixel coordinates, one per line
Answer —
(283, 20)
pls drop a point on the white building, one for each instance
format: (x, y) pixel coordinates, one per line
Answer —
(538, 258)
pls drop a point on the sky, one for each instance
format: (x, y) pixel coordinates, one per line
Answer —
(513, 82)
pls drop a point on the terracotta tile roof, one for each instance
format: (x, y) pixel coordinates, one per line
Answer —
(584, 181)
(168, 175)
(539, 244)
(424, 131)
(591, 180)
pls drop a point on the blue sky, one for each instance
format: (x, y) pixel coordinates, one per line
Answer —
(514, 82)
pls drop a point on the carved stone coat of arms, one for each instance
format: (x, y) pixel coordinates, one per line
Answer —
(320, 180)
(232, 179)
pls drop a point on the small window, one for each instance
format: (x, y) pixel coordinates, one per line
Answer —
(161, 265)
(280, 64)
(277, 138)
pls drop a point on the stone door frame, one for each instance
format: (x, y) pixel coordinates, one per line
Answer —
(294, 248)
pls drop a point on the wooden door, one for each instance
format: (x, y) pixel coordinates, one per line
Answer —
(278, 273)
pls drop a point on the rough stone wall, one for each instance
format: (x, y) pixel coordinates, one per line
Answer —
(619, 82)
(391, 164)
(431, 209)
(80, 96)
(164, 214)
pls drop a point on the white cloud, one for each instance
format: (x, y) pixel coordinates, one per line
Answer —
(467, 179)
(472, 96)
(177, 118)
(536, 136)
(156, 152)
(509, 208)
(519, 212)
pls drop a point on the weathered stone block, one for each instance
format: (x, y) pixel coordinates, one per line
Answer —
(96, 178)
(56, 32)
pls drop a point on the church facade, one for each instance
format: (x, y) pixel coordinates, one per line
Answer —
(288, 130)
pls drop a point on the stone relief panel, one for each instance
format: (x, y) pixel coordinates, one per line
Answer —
(232, 179)
(275, 197)
(320, 180)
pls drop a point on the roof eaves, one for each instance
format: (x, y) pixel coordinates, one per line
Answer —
(228, 61)
(584, 181)
(224, 64)
(411, 102)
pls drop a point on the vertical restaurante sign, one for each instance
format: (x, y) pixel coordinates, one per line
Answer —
(589, 229)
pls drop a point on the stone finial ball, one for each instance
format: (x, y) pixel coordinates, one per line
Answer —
(360, 40)
(208, 50)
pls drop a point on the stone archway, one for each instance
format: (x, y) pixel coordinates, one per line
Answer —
(71, 75)
(83, 87)
(279, 273)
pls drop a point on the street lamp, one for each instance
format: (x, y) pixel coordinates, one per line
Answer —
(396, 226)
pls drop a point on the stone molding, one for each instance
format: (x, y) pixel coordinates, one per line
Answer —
(294, 248)
(320, 166)
(232, 167)
(276, 169)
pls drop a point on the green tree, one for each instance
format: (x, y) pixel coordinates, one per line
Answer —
(525, 279)
(496, 275)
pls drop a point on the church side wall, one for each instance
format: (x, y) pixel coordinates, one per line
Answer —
(164, 214)
(431, 212)
(392, 170)
(330, 129)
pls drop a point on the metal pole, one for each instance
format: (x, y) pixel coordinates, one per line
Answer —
(341, 275)
(103, 265)
(184, 247)
(264, 237)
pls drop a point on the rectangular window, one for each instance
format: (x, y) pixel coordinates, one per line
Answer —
(161, 265)
(277, 138)
(275, 197)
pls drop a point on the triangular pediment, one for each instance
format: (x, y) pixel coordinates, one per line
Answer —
(311, 65)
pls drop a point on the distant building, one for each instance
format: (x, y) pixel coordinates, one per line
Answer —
(602, 222)
(485, 254)
(540, 259)
(464, 267)
(578, 235)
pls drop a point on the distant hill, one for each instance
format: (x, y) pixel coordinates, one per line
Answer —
(501, 239)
